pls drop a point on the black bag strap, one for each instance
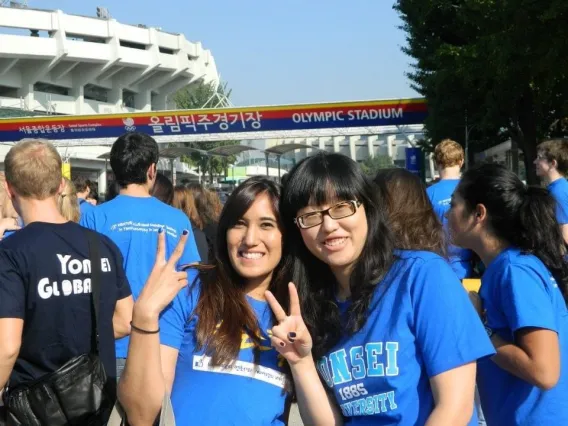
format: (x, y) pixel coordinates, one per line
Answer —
(95, 258)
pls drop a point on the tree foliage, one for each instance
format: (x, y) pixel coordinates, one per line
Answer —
(373, 164)
(198, 96)
(499, 66)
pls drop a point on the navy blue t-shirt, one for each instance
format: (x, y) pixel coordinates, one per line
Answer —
(45, 280)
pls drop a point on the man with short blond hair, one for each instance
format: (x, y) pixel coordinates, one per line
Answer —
(449, 158)
(45, 277)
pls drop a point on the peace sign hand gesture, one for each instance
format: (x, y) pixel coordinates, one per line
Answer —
(290, 337)
(164, 282)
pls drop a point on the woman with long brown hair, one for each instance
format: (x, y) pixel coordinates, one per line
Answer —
(214, 352)
(207, 211)
(183, 200)
(413, 221)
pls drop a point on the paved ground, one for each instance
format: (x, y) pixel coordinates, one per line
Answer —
(295, 417)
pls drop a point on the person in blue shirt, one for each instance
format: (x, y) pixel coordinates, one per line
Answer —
(395, 339)
(133, 218)
(214, 352)
(552, 164)
(449, 157)
(83, 188)
(513, 230)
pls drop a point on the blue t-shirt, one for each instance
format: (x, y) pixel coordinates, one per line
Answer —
(84, 206)
(420, 324)
(45, 279)
(214, 396)
(133, 224)
(559, 190)
(518, 291)
(440, 195)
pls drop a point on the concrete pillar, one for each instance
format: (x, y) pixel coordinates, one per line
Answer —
(143, 101)
(321, 144)
(310, 142)
(160, 102)
(352, 147)
(336, 141)
(26, 92)
(173, 169)
(115, 97)
(102, 181)
(372, 140)
(391, 147)
(79, 94)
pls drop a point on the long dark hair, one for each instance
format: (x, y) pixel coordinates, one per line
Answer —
(222, 311)
(412, 217)
(163, 189)
(522, 216)
(318, 180)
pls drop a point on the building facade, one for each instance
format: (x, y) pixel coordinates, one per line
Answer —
(56, 63)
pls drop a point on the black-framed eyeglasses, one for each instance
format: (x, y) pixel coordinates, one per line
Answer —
(337, 211)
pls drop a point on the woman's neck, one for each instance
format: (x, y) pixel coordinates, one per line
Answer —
(256, 287)
(343, 277)
(489, 247)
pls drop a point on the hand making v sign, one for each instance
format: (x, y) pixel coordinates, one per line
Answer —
(290, 337)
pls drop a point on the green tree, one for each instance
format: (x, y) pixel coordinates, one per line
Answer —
(198, 96)
(499, 66)
(373, 164)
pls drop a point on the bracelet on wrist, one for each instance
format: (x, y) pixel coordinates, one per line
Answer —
(142, 331)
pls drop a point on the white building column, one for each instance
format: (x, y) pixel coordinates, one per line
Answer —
(115, 97)
(26, 93)
(390, 146)
(321, 144)
(79, 94)
(371, 141)
(352, 147)
(102, 181)
(336, 142)
(310, 142)
(143, 101)
(160, 102)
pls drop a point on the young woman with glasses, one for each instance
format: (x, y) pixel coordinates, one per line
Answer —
(395, 339)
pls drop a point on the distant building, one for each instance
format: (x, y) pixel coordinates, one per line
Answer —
(55, 63)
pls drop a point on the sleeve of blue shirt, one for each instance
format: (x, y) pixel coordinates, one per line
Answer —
(561, 213)
(12, 288)
(87, 219)
(176, 315)
(190, 253)
(448, 330)
(524, 299)
(122, 283)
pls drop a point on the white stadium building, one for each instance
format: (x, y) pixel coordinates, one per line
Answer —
(56, 63)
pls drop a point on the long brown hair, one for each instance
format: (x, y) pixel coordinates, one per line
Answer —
(222, 312)
(207, 205)
(184, 201)
(412, 217)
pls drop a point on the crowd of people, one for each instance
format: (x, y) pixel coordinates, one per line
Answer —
(334, 291)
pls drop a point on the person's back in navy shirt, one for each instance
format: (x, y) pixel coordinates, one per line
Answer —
(45, 280)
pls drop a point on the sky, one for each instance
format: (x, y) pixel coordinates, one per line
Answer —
(271, 53)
